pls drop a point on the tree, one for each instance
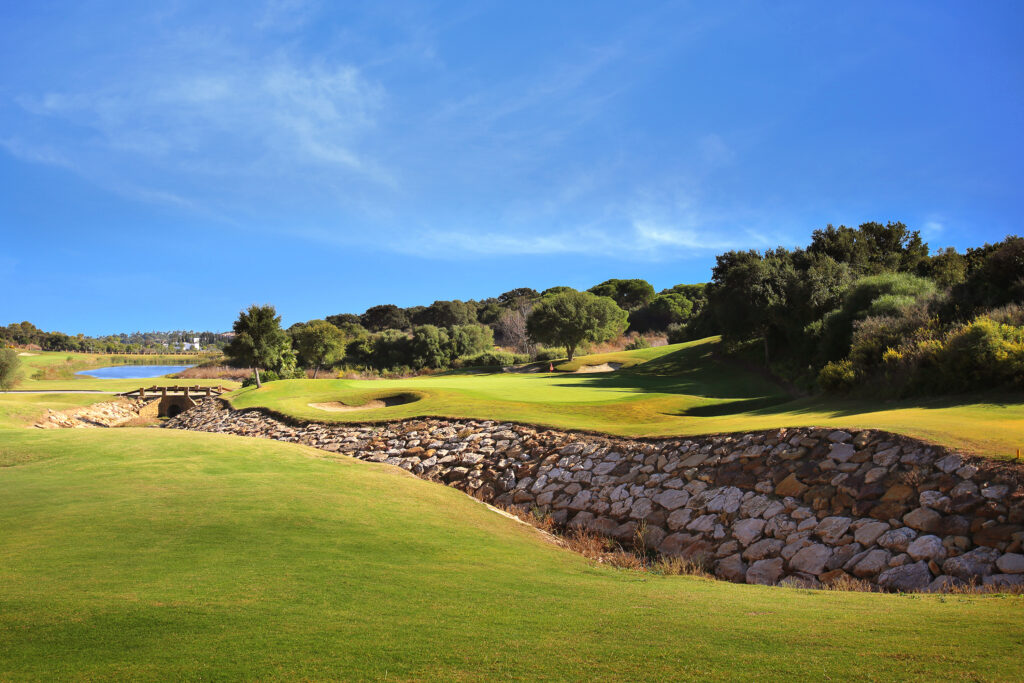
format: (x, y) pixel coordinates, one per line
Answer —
(512, 297)
(571, 318)
(748, 295)
(259, 340)
(318, 343)
(384, 317)
(429, 347)
(10, 369)
(341, 319)
(872, 247)
(447, 314)
(628, 294)
(512, 328)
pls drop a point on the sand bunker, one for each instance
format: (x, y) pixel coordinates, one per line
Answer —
(386, 402)
(603, 367)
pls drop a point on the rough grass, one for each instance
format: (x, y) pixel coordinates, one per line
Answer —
(676, 390)
(145, 554)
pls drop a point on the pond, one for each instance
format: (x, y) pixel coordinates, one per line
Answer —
(133, 371)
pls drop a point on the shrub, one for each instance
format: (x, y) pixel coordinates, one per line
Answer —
(493, 358)
(638, 343)
(838, 376)
(265, 376)
(545, 354)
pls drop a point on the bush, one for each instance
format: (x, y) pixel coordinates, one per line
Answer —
(838, 376)
(265, 376)
(638, 343)
(493, 358)
(545, 354)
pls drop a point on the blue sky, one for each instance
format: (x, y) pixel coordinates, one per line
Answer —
(164, 168)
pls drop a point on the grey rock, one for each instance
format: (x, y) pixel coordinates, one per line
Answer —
(747, 531)
(927, 548)
(897, 539)
(672, 499)
(766, 547)
(872, 563)
(765, 572)
(811, 559)
(1011, 563)
(975, 564)
(831, 529)
(909, 577)
(868, 533)
(732, 568)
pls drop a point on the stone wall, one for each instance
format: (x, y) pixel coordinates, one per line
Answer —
(797, 506)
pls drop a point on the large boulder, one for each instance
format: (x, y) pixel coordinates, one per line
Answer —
(909, 577)
(765, 572)
(812, 559)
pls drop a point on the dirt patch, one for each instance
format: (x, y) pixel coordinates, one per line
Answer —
(386, 402)
(603, 367)
(27, 354)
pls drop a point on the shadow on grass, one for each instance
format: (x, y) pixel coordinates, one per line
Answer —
(692, 371)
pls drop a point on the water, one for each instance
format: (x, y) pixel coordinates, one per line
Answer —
(134, 371)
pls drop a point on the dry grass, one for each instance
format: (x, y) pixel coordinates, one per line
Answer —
(622, 341)
(214, 372)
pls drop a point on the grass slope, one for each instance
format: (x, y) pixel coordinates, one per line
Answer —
(22, 410)
(677, 390)
(149, 554)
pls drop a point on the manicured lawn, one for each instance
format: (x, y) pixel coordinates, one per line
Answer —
(678, 390)
(143, 554)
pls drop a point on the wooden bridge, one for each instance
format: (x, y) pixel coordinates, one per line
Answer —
(174, 399)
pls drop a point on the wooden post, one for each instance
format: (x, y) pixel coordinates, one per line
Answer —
(186, 392)
(142, 392)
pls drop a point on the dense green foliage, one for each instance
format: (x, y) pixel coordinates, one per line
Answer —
(571, 318)
(10, 369)
(867, 309)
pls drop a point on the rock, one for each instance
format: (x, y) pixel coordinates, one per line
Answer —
(972, 565)
(872, 563)
(747, 531)
(765, 572)
(995, 491)
(642, 508)
(839, 436)
(831, 529)
(727, 500)
(1003, 580)
(766, 547)
(841, 452)
(909, 577)
(1011, 563)
(703, 524)
(867, 534)
(790, 486)
(887, 457)
(923, 519)
(950, 463)
(897, 539)
(679, 519)
(671, 499)
(944, 583)
(732, 568)
(875, 474)
(927, 548)
(674, 544)
(811, 559)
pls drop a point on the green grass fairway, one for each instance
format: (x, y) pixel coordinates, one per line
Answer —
(678, 390)
(145, 554)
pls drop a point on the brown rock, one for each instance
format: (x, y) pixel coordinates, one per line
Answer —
(790, 486)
